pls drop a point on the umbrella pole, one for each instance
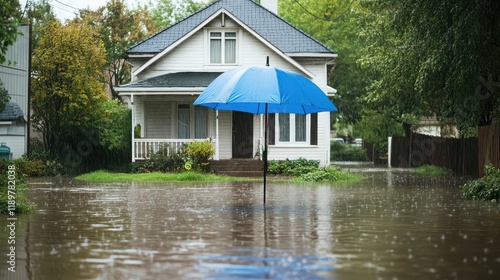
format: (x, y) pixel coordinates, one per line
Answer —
(265, 152)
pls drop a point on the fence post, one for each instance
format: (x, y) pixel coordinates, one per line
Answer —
(389, 151)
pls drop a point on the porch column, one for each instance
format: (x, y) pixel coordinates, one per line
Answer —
(217, 134)
(133, 125)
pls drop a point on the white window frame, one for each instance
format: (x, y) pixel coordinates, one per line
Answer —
(292, 132)
(238, 39)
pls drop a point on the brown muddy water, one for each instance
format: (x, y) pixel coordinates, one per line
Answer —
(391, 225)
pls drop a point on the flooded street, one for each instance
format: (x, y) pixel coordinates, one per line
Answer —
(391, 225)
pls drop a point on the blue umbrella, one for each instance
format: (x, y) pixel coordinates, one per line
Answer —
(263, 90)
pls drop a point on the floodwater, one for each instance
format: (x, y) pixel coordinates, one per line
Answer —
(392, 225)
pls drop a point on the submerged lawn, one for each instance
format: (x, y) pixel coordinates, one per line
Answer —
(189, 176)
(105, 176)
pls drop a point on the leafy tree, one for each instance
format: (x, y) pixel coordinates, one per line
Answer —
(119, 28)
(336, 23)
(4, 96)
(9, 19)
(66, 88)
(167, 12)
(115, 131)
(436, 58)
(39, 13)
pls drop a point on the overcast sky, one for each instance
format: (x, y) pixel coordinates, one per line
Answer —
(65, 9)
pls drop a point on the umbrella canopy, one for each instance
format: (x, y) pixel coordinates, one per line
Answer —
(248, 89)
(263, 90)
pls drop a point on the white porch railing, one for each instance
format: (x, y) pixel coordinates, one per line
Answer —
(144, 148)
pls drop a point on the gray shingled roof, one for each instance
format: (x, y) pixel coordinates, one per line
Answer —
(273, 28)
(181, 79)
(11, 112)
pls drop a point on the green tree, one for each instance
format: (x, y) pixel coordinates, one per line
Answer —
(336, 23)
(9, 19)
(66, 85)
(167, 12)
(4, 96)
(39, 12)
(119, 28)
(436, 58)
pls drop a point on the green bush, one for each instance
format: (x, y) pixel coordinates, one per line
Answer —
(39, 162)
(344, 152)
(295, 167)
(328, 174)
(22, 204)
(165, 160)
(198, 155)
(429, 169)
(486, 188)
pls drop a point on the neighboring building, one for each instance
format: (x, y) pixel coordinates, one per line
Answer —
(14, 74)
(433, 127)
(172, 68)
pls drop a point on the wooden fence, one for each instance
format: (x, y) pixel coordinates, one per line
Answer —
(488, 146)
(457, 154)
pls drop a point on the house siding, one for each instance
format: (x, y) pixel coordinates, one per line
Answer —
(157, 119)
(15, 78)
(225, 135)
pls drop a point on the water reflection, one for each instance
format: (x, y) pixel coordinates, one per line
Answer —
(393, 225)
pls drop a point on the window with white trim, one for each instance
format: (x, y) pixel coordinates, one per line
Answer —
(292, 128)
(192, 122)
(222, 47)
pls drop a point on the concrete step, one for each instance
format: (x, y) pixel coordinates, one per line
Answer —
(235, 165)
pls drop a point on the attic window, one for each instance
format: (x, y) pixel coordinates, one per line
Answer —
(222, 47)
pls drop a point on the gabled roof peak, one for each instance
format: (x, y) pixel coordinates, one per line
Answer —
(280, 33)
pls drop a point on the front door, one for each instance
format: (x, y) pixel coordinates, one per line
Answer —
(242, 135)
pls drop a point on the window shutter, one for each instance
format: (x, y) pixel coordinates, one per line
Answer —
(314, 129)
(271, 125)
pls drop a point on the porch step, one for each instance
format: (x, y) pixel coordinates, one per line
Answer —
(238, 167)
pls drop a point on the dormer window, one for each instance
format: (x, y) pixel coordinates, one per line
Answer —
(222, 47)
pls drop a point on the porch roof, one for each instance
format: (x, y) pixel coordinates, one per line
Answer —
(173, 80)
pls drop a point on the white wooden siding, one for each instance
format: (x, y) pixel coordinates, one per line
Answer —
(157, 119)
(225, 135)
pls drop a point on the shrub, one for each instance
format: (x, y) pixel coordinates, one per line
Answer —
(343, 152)
(327, 174)
(486, 188)
(432, 170)
(198, 155)
(295, 167)
(23, 205)
(165, 160)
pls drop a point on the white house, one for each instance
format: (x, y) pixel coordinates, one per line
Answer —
(172, 67)
(14, 74)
